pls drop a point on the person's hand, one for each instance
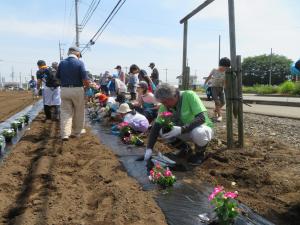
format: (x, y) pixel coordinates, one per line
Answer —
(176, 131)
(148, 154)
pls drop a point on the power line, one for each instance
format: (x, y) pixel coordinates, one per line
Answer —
(104, 25)
(88, 17)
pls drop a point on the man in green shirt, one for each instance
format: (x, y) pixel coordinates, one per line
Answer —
(190, 119)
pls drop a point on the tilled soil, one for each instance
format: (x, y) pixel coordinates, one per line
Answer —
(266, 170)
(12, 102)
(47, 181)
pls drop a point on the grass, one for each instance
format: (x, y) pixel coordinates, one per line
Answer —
(288, 87)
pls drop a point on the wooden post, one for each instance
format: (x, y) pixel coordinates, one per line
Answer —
(229, 126)
(184, 71)
(232, 34)
(240, 102)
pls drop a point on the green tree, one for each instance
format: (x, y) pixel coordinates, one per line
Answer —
(256, 70)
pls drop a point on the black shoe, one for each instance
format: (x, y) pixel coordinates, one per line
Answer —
(196, 159)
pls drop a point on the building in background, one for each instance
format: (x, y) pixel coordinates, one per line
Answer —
(193, 82)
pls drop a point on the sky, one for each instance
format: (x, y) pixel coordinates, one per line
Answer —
(142, 32)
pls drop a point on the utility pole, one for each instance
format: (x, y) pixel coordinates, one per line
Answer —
(166, 75)
(12, 74)
(20, 75)
(60, 55)
(270, 75)
(76, 23)
(219, 49)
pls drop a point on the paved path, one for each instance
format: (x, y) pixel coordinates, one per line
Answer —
(270, 110)
(268, 100)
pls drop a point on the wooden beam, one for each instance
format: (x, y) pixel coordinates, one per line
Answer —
(195, 11)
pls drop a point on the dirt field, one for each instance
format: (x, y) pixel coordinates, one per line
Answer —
(46, 181)
(12, 102)
(267, 170)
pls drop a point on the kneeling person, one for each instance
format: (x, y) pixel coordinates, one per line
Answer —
(190, 119)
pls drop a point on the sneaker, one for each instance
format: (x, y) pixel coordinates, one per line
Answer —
(65, 138)
(219, 119)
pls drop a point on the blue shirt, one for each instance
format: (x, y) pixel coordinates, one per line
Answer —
(71, 71)
(32, 84)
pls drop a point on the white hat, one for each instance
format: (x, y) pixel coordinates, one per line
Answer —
(124, 108)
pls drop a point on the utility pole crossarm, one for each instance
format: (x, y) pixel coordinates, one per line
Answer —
(195, 11)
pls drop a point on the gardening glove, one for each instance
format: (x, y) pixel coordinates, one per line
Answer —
(176, 131)
(148, 154)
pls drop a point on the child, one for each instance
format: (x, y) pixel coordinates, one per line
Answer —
(133, 80)
(217, 77)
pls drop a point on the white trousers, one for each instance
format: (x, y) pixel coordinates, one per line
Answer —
(200, 135)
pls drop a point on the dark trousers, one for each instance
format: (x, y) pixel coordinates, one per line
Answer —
(52, 112)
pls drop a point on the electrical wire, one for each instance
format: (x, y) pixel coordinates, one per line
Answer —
(88, 11)
(83, 24)
(104, 25)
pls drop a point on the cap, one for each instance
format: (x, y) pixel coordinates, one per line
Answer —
(118, 67)
(152, 64)
(74, 49)
(41, 63)
(143, 84)
(102, 97)
(124, 108)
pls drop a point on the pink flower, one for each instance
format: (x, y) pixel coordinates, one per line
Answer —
(158, 166)
(151, 173)
(158, 175)
(230, 195)
(166, 114)
(217, 190)
(168, 173)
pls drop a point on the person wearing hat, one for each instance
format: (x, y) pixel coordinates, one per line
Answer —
(155, 74)
(136, 121)
(146, 103)
(73, 77)
(143, 76)
(48, 84)
(121, 74)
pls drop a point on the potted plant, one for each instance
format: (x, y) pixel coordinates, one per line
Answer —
(20, 122)
(132, 140)
(162, 176)
(225, 205)
(8, 134)
(14, 125)
(2, 143)
(166, 119)
(26, 119)
(125, 129)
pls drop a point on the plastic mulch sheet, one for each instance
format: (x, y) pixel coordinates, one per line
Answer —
(183, 204)
(32, 111)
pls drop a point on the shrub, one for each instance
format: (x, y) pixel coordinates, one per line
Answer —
(265, 89)
(296, 90)
(287, 87)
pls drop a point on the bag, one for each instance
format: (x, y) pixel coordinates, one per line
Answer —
(51, 80)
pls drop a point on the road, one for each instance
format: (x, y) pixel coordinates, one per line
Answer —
(270, 110)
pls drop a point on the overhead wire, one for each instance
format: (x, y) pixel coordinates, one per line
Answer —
(84, 23)
(104, 25)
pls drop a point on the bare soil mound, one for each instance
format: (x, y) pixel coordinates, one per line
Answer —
(47, 181)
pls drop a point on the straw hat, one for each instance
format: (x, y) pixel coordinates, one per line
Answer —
(124, 108)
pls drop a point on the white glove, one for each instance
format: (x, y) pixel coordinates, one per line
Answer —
(176, 131)
(148, 154)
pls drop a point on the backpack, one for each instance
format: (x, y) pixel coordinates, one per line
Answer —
(51, 79)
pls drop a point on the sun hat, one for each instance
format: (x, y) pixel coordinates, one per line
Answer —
(124, 108)
(143, 85)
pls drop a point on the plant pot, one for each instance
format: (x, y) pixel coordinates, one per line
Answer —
(8, 139)
(166, 130)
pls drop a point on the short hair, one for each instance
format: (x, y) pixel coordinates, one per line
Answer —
(165, 91)
(225, 62)
(133, 67)
(41, 63)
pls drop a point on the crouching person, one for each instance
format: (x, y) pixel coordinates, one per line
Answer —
(136, 121)
(189, 117)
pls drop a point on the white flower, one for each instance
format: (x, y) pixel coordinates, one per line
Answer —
(233, 183)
